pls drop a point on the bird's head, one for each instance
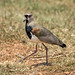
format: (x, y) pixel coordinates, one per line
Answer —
(28, 17)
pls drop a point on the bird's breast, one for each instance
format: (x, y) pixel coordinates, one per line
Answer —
(34, 38)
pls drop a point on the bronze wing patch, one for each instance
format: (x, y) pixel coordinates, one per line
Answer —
(36, 32)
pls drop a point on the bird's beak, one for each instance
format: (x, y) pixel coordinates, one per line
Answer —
(24, 20)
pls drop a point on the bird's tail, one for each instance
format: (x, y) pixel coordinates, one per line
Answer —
(63, 45)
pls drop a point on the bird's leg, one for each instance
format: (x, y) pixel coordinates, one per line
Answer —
(46, 54)
(29, 55)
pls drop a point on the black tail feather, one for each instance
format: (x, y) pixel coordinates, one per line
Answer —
(63, 45)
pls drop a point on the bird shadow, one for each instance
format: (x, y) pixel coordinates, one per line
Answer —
(41, 64)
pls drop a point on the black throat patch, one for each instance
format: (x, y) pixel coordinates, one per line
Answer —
(28, 31)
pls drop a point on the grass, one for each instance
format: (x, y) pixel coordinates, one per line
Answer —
(57, 16)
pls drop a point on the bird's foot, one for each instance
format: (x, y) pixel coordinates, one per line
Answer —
(20, 60)
(47, 63)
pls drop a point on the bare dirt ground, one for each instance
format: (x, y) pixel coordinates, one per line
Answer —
(13, 52)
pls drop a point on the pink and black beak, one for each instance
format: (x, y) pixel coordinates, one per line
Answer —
(26, 16)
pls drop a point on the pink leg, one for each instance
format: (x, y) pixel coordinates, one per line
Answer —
(46, 54)
(29, 55)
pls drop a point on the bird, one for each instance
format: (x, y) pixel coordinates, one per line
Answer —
(37, 33)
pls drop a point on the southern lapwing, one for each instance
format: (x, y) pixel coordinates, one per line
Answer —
(40, 34)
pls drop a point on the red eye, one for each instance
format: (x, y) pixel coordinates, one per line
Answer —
(29, 16)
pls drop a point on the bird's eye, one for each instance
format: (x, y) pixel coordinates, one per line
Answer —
(29, 16)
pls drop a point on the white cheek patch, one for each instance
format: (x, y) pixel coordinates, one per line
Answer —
(28, 19)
